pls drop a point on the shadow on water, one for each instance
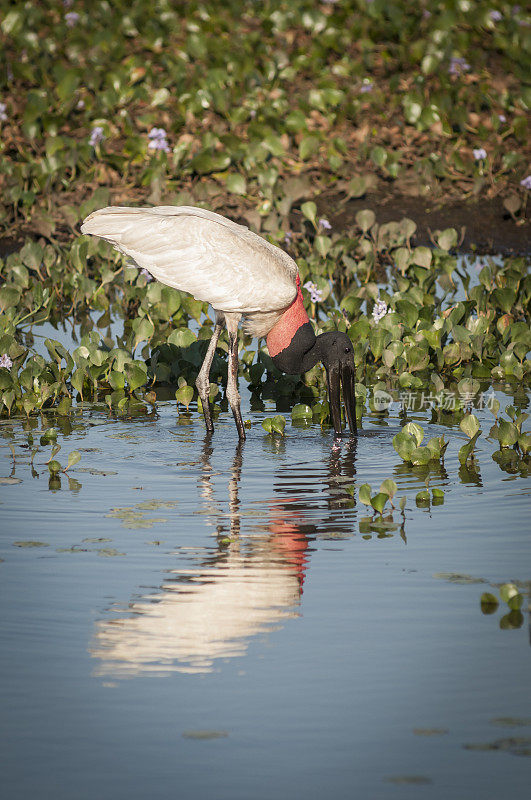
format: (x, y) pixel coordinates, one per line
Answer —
(250, 585)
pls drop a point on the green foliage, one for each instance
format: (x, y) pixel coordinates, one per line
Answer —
(274, 424)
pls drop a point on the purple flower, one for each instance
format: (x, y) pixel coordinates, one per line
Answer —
(426, 14)
(458, 65)
(379, 311)
(325, 225)
(3, 115)
(288, 236)
(80, 105)
(157, 133)
(495, 16)
(147, 275)
(97, 136)
(315, 295)
(502, 117)
(479, 154)
(72, 18)
(367, 86)
(5, 361)
(158, 141)
(526, 183)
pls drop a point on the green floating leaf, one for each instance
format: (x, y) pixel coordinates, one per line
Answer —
(404, 444)
(507, 433)
(302, 412)
(73, 458)
(184, 395)
(389, 488)
(54, 467)
(30, 543)
(422, 498)
(414, 430)
(365, 494)
(509, 594)
(469, 425)
(378, 501)
(421, 456)
(489, 603)
(274, 424)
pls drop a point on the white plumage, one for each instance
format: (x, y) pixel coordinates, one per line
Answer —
(200, 252)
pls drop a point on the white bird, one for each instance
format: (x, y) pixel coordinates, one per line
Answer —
(241, 275)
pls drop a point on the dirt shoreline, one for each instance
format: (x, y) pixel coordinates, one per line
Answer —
(489, 228)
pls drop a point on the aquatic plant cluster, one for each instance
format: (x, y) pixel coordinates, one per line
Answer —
(425, 340)
(153, 102)
(91, 118)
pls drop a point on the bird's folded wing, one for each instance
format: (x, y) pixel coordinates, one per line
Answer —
(200, 252)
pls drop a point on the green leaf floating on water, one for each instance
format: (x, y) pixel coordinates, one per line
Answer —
(30, 543)
(469, 425)
(389, 487)
(274, 424)
(404, 444)
(489, 603)
(378, 501)
(509, 594)
(365, 494)
(301, 411)
(422, 498)
(421, 456)
(414, 430)
(184, 395)
(73, 458)
(506, 433)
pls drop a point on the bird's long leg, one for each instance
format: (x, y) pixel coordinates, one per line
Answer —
(203, 379)
(233, 395)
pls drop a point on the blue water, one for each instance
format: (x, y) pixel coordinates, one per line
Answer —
(238, 636)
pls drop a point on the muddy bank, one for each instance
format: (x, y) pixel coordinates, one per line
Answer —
(488, 227)
(484, 226)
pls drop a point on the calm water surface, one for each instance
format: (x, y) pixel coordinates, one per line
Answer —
(211, 620)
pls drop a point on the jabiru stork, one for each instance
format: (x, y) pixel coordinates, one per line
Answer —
(241, 275)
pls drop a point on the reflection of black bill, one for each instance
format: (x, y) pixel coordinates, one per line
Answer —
(341, 376)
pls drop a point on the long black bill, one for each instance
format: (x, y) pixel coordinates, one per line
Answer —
(341, 376)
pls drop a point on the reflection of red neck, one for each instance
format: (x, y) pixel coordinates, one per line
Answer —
(281, 334)
(292, 544)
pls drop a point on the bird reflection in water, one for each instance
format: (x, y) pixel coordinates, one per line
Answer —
(250, 585)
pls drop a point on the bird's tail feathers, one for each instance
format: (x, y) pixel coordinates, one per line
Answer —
(109, 223)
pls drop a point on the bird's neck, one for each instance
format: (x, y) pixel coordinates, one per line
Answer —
(291, 342)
